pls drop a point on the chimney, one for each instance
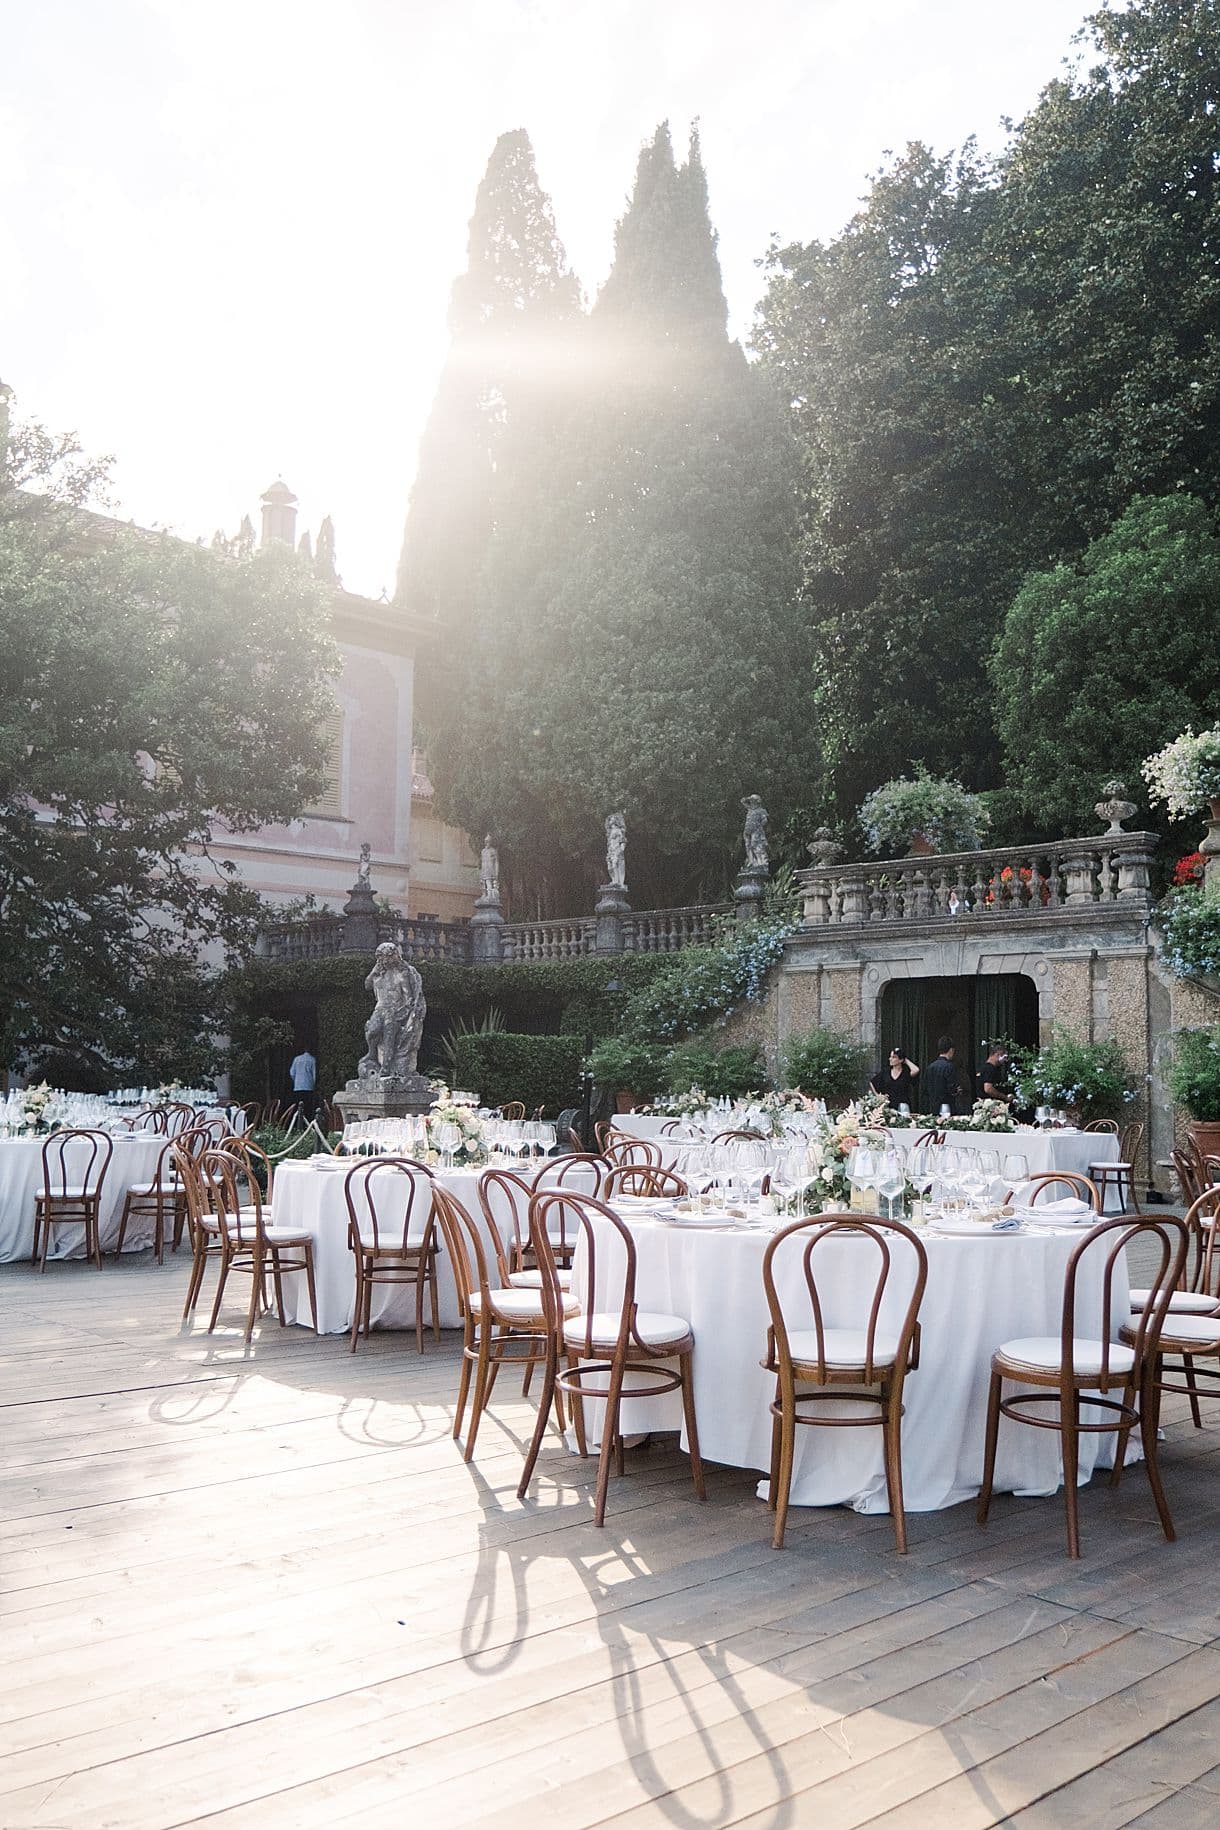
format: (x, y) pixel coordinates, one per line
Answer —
(279, 514)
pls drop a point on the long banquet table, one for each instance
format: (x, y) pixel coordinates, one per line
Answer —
(980, 1292)
(134, 1161)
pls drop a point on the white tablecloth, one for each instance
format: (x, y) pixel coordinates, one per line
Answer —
(313, 1200)
(134, 1160)
(980, 1293)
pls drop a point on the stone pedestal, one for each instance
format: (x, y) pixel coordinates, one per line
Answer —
(611, 912)
(748, 892)
(359, 919)
(487, 932)
(387, 1096)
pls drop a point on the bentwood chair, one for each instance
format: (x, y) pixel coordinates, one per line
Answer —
(602, 1335)
(842, 1363)
(74, 1165)
(391, 1233)
(504, 1197)
(1079, 1188)
(1074, 1373)
(204, 1193)
(1191, 1329)
(160, 1199)
(252, 1245)
(1120, 1175)
(1109, 1125)
(644, 1179)
(623, 1151)
(931, 1138)
(513, 1110)
(603, 1131)
(1188, 1167)
(501, 1323)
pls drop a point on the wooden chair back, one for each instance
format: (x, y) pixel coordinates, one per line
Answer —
(1082, 1188)
(504, 1197)
(223, 1174)
(899, 1253)
(179, 1118)
(75, 1159)
(513, 1108)
(603, 1130)
(646, 1179)
(933, 1137)
(575, 1170)
(1103, 1124)
(1170, 1237)
(1189, 1171)
(622, 1152)
(389, 1204)
(477, 1270)
(257, 1164)
(604, 1281)
(149, 1118)
(1129, 1141)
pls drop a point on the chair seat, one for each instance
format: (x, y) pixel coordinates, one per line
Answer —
(845, 1348)
(515, 1305)
(72, 1193)
(532, 1280)
(1044, 1353)
(169, 1186)
(1188, 1334)
(391, 1247)
(1182, 1302)
(653, 1329)
(274, 1235)
(1096, 1169)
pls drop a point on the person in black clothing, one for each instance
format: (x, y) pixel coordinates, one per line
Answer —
(941, 1081)
(896, 1079)
(993, 1075)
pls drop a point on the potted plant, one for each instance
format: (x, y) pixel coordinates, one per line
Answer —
(632, 1071)
(1194, 1082)
(1186, 776)
(824, 1065)
(1086, 1079)
(923, 813)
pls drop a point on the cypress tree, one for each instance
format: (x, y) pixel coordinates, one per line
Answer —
(637, 642)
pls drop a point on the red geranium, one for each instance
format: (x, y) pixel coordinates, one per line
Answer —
(1188, 869)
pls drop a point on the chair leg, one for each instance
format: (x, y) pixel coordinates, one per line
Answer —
(692, 1428)
(891, 1436)
(1069, 1412)
(225, 1259)
(787, 1456)
(463, 1389)
(526, 1378)
(1150, 1405)
(420, 1267)
(1120, 1438)
(258, 1292)
(198, 1267)
(993, 1436)
(773, 1482)
(610, 1431)
(118, 1244)
(278, 1280)
(358, 1304)
(1188, 1367)
(481, 1381)
(578, 1408)
(93, 1233)
(310, 1284)
(436, 1307)
(549, 1391)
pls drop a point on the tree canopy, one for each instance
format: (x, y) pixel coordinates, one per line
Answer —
(1103, 661)
(636, 642)
(152, 691)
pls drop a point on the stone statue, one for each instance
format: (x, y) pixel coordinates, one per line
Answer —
(364, 874)
(395, 1029)
(489, 871)
(756, 834)
(616, 851)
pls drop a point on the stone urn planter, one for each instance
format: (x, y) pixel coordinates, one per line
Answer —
(921, 846)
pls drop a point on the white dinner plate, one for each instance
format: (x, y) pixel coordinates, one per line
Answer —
(974, 1229)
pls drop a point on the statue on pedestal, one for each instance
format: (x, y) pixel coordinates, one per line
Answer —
(395, 1029)
(489, 871)
(757, 857)
(616, 851)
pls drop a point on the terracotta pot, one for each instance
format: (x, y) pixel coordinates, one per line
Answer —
(1206, 1136)
(920, 846)
(624, 1100)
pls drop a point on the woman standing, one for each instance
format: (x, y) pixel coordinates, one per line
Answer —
(897, 1079)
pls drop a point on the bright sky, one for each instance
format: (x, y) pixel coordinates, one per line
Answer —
(228, 227)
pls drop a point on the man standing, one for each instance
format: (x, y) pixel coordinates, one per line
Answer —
(303, 1073)
(940, 1086)
(993, 1075)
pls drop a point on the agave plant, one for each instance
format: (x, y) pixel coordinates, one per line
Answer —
(490, 1024)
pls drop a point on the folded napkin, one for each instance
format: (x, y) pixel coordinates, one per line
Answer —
(1070, 1211)
(997, 1220)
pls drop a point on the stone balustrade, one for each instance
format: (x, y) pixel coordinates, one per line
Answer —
(668, 930)
(1026, 881)
(526, 940)
(324, 936)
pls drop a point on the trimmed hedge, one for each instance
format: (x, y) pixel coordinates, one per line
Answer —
(540, 997)
(539, 1070)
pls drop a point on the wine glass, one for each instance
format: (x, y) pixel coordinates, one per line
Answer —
(448, 1137)
(891, 1182)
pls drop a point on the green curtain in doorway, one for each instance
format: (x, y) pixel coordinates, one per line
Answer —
(995, 1009)
(903, 1017)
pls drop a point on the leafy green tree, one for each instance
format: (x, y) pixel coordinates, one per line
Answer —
(1102, 661)
(638, 641)
(985, 368)
(152, 690)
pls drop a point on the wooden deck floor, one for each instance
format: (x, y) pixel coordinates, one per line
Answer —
(263, 1589)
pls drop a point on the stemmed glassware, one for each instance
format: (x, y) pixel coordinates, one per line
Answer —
(891, 1183)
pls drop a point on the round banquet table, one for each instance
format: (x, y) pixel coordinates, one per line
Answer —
(134, 1160)
(312, 1199)
(980, 1292)
(1068, 1152)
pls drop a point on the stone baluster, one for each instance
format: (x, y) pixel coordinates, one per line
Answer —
(917, 896)
(1078, 872)
(979, 890)
(877, 900)
(817, 901)
(1134, 866)
(853, 884)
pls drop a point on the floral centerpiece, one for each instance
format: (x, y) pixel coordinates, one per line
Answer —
(694, 1103)
(1186, 773)
(776, 1108)
(877, 1110)
(829, 1150)
(446, 1116)
(31, 1115)
(984, 1115)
